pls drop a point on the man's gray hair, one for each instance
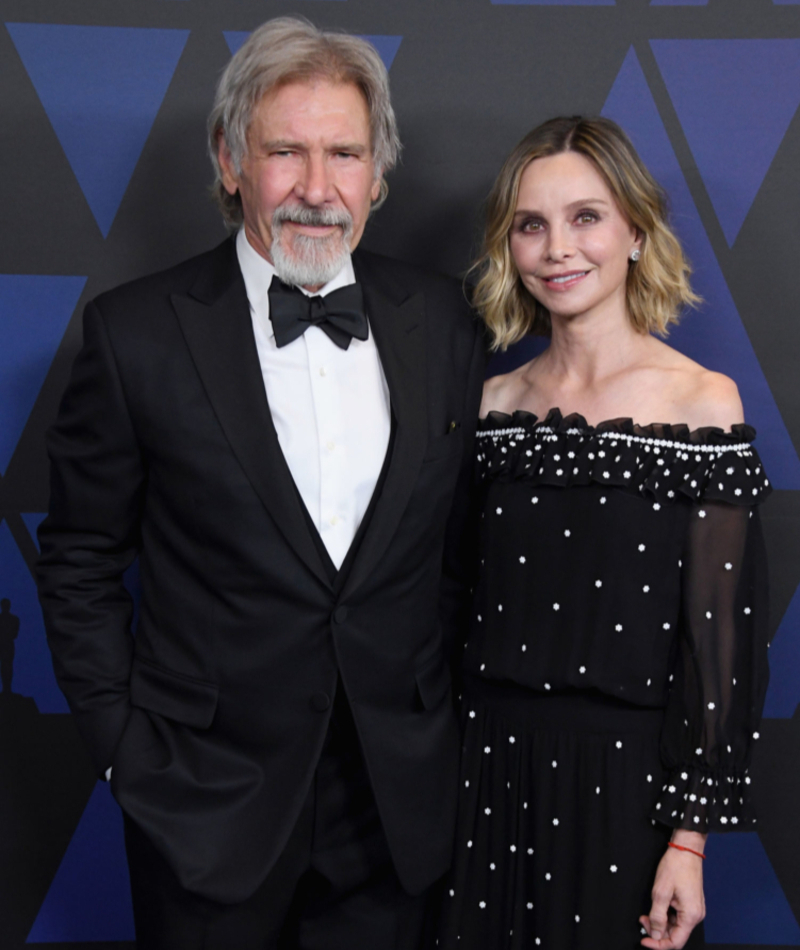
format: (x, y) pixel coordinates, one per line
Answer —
(286, 50)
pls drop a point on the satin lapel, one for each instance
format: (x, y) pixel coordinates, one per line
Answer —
(400, 337)
(219, 335)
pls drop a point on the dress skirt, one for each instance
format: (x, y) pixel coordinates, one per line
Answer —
(555, 845)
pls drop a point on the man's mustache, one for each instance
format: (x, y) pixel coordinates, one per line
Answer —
(313, 217)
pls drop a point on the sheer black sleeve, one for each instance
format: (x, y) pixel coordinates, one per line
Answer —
(721, 672)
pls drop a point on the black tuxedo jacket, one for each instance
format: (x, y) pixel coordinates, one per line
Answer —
(214, 713)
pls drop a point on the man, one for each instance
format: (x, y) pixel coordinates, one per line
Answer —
(280, 732)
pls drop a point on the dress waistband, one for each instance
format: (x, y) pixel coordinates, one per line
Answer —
(568, 709)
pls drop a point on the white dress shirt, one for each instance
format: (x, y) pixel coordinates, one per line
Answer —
(330, 408)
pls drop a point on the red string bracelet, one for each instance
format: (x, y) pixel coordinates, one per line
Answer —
(680, 847)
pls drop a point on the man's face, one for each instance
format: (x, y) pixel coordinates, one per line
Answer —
(308, 178)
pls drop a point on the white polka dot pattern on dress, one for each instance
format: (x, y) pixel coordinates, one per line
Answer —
(646, 475)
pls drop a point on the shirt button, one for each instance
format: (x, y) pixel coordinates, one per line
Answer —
(340, 614)
(322, 371)
(334, 520)
(320, 702)
(330, 445)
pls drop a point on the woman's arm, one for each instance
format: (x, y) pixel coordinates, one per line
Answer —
(678, 899)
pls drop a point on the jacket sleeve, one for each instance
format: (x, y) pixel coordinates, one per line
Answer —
(89, 538)
(721, 674)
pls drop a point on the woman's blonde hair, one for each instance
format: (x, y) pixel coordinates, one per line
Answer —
(658, 284)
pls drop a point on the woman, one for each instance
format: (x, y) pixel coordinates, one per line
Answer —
(615, 666)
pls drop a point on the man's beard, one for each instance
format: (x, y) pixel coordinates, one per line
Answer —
(306, 261)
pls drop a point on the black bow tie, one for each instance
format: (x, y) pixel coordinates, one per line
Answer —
(340, 313)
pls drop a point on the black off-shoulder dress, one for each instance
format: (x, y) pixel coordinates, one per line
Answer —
(615, 671)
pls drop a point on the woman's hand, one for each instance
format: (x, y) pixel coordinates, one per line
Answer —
(678, 900)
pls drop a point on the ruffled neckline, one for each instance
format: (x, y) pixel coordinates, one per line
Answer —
(673, 432)
(662, 462)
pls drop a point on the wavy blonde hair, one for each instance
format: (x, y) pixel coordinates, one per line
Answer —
(658, 284)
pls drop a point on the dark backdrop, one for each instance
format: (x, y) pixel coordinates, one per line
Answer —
(104, 177)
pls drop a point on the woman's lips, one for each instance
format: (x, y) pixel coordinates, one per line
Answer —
(563, 282)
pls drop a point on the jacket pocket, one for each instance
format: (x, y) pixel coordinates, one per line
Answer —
(187, 700)
(433, 681)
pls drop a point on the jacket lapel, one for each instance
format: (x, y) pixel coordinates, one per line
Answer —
(215, 320)
(398, 322)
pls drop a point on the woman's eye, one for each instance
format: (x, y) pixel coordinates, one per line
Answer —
(587, 217)
(531, 226)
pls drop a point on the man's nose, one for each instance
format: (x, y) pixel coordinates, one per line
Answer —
(314, 186)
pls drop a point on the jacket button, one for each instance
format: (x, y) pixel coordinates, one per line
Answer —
(320, 702)
(340, 614)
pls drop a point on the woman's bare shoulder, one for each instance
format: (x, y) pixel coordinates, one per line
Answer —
(715, 401)
(502, 393)
(703, 397)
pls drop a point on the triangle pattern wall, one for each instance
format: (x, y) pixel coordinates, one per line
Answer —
(34, 313)
(735, 100)
(89, 899)
(558, 3)
(744, 899)
(33, 668)
(101, 87)
(783, 693)
(714, 335)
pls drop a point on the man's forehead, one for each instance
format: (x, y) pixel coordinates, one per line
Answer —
(326, 93)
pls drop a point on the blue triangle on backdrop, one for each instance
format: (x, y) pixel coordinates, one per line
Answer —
(387, 46)
(32, 521)
(744, 899)
(735, 100)
(90, 899)
(33, 668)
(34, 313)
(783, 693)
(714, 335)
(101, 87)
(235, 39)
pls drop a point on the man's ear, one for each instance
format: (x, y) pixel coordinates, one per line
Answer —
(230, 177)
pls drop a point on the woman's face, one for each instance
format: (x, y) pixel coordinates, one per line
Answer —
(569, 239)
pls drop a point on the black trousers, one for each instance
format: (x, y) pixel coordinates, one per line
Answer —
(334, 886)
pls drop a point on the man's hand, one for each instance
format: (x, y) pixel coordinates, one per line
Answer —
(678, 899)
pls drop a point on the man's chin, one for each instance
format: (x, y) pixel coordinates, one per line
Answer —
(310, 266)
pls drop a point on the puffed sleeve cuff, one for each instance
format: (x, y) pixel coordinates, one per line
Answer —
(706, 800)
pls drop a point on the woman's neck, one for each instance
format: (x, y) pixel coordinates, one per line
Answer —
(584, 352)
